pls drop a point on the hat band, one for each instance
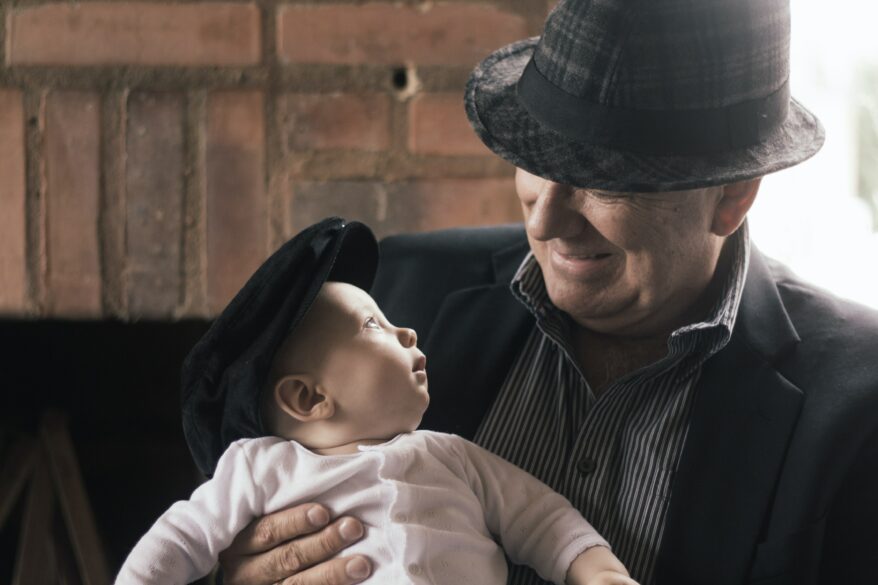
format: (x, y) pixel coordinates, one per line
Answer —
(657, 132)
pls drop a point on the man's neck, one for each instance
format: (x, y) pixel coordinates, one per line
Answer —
(605, 359)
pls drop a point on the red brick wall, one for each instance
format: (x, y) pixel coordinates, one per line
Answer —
(152, 153)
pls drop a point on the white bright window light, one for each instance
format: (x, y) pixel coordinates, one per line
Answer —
(821, 218)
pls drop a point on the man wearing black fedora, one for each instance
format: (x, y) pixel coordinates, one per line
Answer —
(713, 415)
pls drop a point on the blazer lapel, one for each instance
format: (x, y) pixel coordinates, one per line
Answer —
(475, 336)
(743, 414)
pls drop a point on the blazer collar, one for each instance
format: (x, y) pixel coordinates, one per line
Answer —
(763, 321)
(742, 417)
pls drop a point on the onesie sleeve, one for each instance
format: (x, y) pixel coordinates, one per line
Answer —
(184, 543)
(536, 525)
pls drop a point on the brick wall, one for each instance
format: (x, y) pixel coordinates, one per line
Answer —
(153, 153)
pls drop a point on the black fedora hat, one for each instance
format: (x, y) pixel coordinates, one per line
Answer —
(646, 96)
(223, 375)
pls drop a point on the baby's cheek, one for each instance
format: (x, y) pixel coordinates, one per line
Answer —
(382, 377)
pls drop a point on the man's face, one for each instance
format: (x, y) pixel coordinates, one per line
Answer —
(621, 263)
(372, 369)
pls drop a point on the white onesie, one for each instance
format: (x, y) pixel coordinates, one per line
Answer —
(432, 504)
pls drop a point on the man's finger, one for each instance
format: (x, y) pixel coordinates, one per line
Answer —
(298, 555)
(345, 571)
(268, 532)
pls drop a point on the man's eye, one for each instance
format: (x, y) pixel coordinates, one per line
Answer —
(371, 323)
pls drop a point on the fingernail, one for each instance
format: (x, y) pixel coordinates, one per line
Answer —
(357, 568)
(350, 530)
(318, 516)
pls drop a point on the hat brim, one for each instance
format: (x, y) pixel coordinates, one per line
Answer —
(508, 129)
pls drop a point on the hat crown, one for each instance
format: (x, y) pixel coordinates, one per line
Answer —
(666, 54)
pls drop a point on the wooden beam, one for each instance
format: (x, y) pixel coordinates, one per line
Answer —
(74, 502)
(16, 470)
(33, 565)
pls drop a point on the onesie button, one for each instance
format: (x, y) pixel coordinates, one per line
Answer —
(414, 570)
(400, 518)
(586, 465)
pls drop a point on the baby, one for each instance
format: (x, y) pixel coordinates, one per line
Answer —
(343, 395)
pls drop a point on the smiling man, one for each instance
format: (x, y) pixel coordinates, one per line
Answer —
(712, 414)
(628, 268)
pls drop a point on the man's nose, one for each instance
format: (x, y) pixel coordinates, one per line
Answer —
(551, 216)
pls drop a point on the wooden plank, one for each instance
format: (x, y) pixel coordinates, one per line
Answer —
(65, 562)
(31, 565)
(16, 469)
(74, 502)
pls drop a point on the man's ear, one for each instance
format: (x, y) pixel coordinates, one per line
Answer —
(733, 205)
(301, 397)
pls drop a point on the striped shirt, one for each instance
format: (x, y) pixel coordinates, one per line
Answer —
(613, 456)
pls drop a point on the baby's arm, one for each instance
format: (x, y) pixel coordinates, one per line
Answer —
(184, 543)
(537, 526)
(598, 566)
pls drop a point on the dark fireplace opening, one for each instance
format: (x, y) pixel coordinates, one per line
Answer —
(117, 386)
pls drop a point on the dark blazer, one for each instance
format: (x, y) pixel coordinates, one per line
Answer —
(778, 481)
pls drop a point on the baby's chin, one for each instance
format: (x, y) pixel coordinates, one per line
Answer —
(414, 423)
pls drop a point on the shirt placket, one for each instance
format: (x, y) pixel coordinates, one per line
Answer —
(587, 468)
(598, 427)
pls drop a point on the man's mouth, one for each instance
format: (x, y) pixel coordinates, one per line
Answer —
(579, 265)
(597, 256)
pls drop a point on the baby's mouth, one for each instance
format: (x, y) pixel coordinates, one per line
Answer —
(420, 364)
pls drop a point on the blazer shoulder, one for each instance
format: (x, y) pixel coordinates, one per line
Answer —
(822, 316)
(834, 362)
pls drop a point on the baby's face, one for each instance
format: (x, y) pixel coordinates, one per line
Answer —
(373, 370)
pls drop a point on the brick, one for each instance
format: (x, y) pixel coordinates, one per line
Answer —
(72, 159)
(336, 121)
(13, 271)
(416, 206)
(386, 33)
(154, 193)
(237, 225)
(135, 33)
(438, 125)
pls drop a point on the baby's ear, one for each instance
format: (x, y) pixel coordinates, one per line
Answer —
(299, 396)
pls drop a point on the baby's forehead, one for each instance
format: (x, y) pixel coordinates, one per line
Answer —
(334, 315)
(342, 300)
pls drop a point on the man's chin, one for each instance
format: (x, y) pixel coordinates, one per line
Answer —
(597, 312)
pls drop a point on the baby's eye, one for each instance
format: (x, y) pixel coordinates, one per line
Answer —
(371, 323)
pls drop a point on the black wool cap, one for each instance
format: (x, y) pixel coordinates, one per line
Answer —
(225, 372)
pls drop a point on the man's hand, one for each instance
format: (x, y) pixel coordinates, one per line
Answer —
(291, 547)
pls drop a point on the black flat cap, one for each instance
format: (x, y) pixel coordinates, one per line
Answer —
(225, 372)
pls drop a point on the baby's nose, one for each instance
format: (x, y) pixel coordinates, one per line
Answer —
(408, 337)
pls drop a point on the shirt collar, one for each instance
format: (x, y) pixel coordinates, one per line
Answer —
(529, 288)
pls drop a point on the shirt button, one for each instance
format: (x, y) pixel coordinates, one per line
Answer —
(414, 570)
(400, 517)
(586, 465)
